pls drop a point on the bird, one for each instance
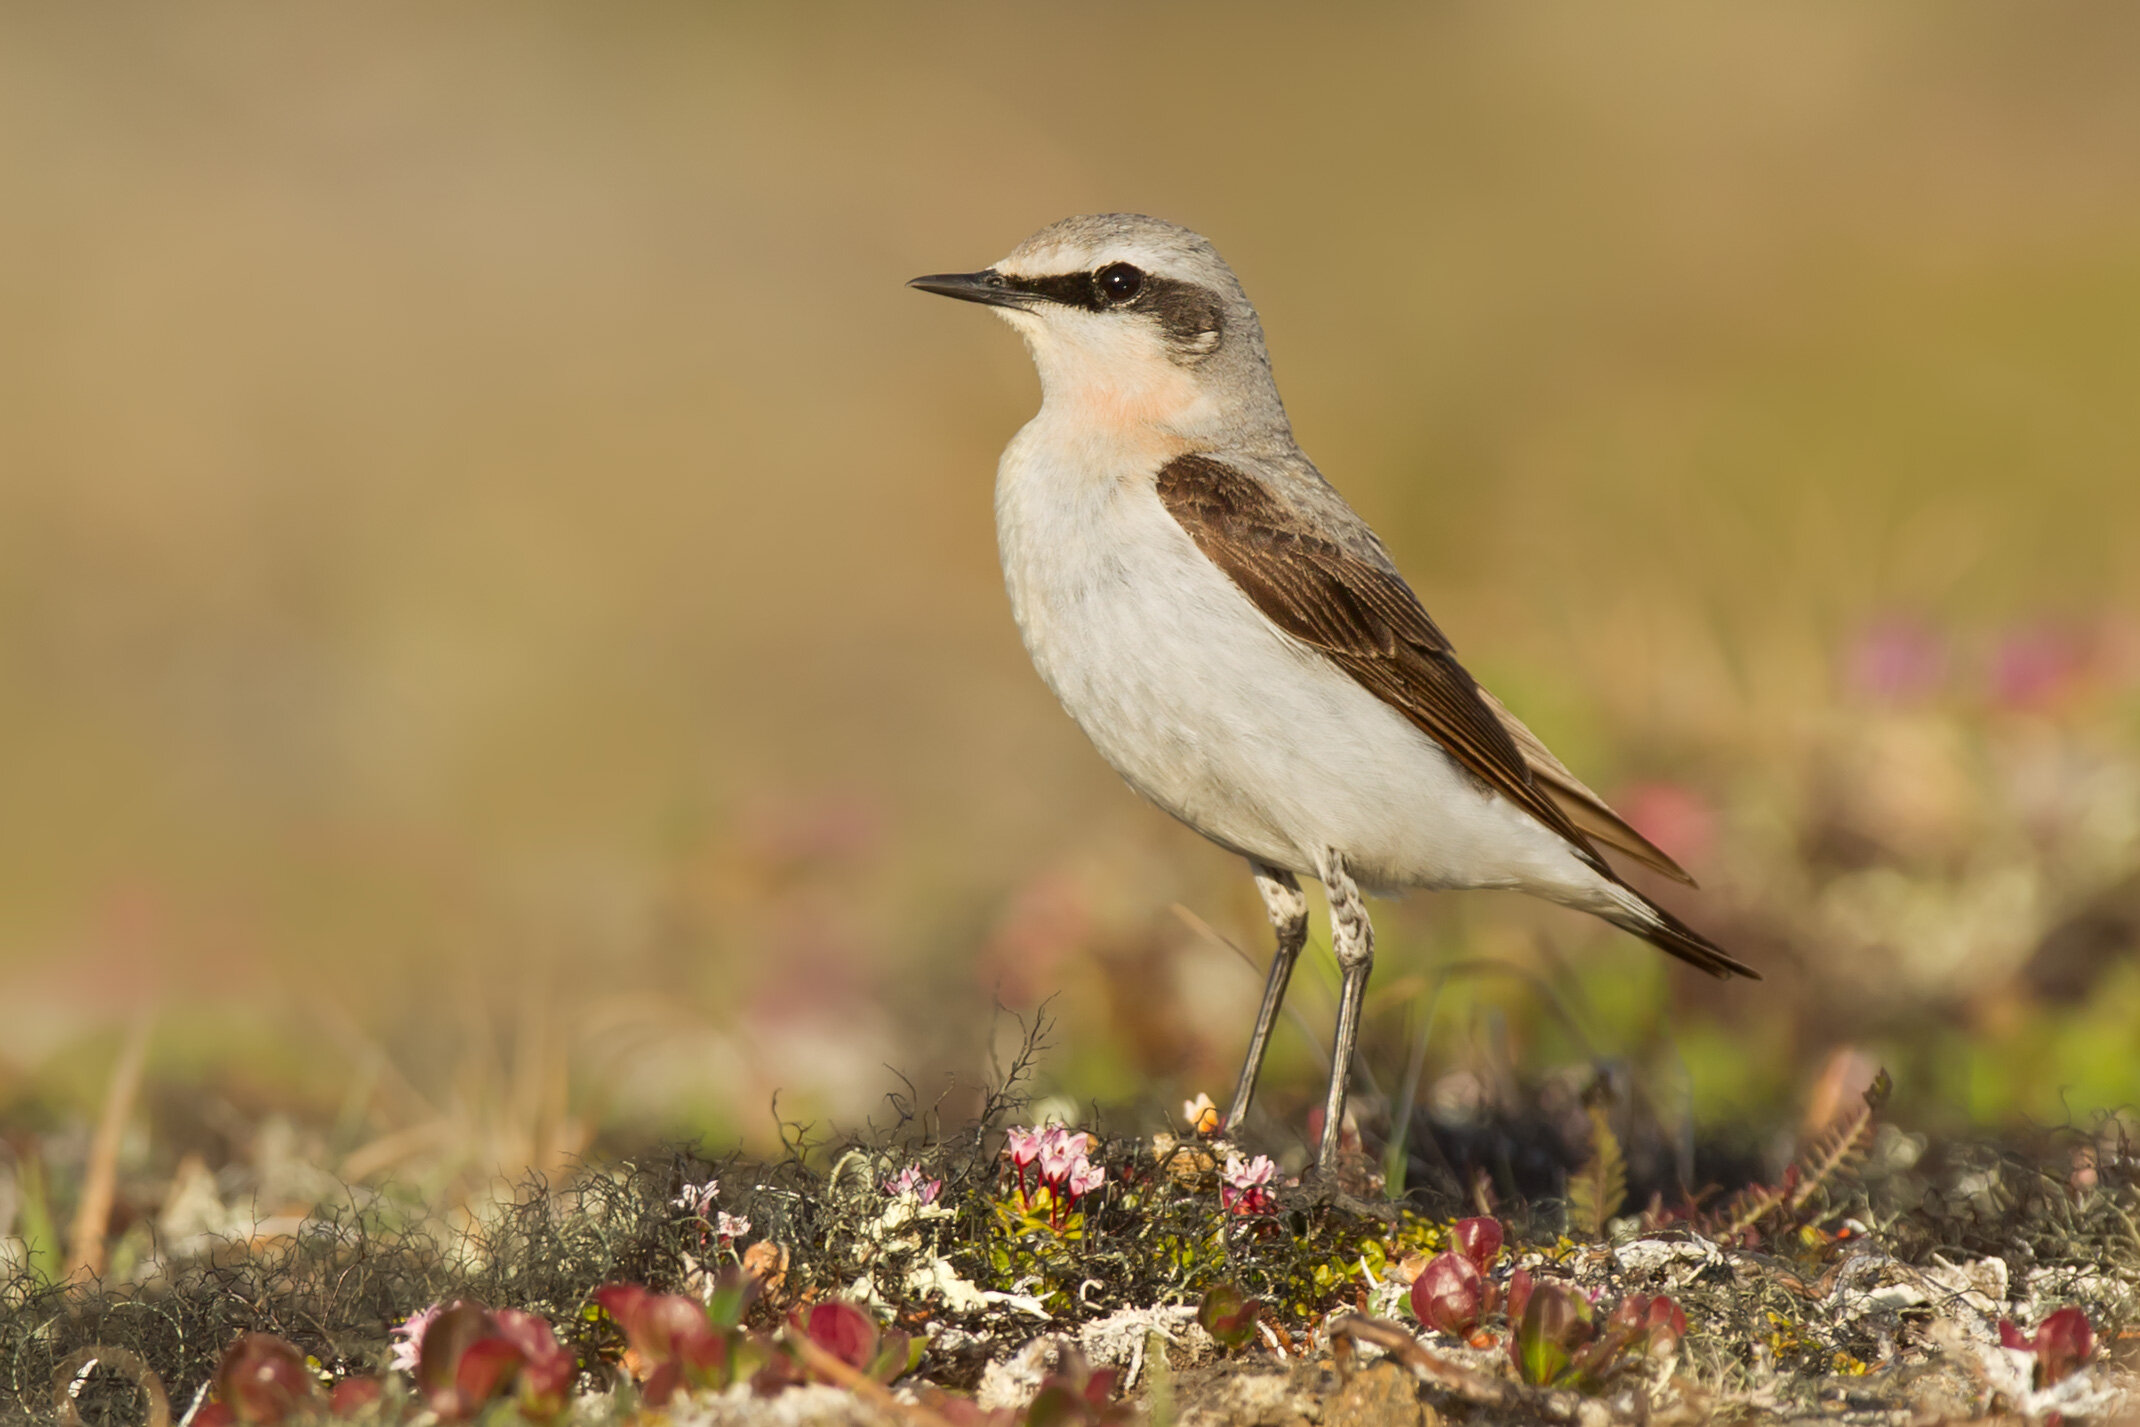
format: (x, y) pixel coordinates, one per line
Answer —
(1236, 641)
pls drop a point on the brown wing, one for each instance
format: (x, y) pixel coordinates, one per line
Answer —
(1584, 808)
(1366, 619)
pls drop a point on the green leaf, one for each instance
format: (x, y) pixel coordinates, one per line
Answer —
(1557, 1320)
(1228, 1315)
(1598, 1190)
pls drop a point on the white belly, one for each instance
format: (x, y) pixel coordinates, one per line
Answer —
(1204, 707)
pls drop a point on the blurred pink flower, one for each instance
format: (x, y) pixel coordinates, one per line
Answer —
(909, 1181)
(1243, 1189)
(793, 829)
(1673, 816)
(2117, 651)
(1896, 659)
(1048, 919)
(1348, 1130)
(409, 1339)
(2033, 665)
(728, 1227)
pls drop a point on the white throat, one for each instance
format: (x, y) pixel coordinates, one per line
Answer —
(1117, 381)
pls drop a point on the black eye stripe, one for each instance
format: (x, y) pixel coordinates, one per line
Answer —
(1191, 315)
(1069, 289)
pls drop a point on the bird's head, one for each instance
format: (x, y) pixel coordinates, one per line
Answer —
(1132, 320)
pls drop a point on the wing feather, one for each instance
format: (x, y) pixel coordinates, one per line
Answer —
(1360, 614)
(1584, 808)
(1364, 618)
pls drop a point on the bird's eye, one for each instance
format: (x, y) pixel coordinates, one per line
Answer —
(1117, 283)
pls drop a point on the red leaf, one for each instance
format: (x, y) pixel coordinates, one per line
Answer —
(547, 1365)
(675, 1340)
(456, 1329)
(1228, 1315)
(621, 1301)
(844, 1331)
(778, 1375)
(1448, 1294)
(263, 1379)
(665, 1327)
(1100, 1387)
(1480, 1241)
(2064, 1341)
(1519, 1295)
(1632, 1311)
(2012, 1337)
(963, 1411)
(486, 1371)
(1668, 1326)
(351, 1394)
(1655, 1325)
(662, 1383)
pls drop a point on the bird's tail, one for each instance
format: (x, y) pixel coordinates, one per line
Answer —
(1638, 914)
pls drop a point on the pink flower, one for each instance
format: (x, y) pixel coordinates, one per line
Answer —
(1675, 817)
(409, 1339)
(2034, 666)
(1060, 1152)
(1024, 1147)
(1085, 1177)
(909, 1181)
(1066, 1174)
(1897, 660)
(730, 1226)
(1243, 1190)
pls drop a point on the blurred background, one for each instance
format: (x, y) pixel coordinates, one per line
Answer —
(501, 646)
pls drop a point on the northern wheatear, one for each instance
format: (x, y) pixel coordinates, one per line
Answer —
(1237, 643)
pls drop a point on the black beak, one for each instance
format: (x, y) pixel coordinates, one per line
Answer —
(987, 286)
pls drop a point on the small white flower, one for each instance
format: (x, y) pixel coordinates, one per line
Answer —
(698, 1198)
(730, 1226)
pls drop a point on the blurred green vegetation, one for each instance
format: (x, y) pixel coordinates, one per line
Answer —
(500, 640)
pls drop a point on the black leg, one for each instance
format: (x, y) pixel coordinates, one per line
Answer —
(1288, 909)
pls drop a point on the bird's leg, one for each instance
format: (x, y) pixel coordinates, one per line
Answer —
(1352, 939)
(1288, 909)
